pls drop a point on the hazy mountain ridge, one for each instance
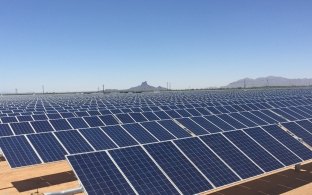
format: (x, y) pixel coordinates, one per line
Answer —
(146, 87)
(270, 81)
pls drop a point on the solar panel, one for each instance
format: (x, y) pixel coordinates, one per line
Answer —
(306, 124)
(139, 133)
(290, 142)
(284, 114)
(54, 116)
(254, 118)
(233, 122)
(243, 120)
(273, 146)
(173, 114)
(219, 123)
(38, 117)
(138, 117)
(24, 118)
(162, 115)
(142, 172)
(183, 113)
(8, 119)
(73, 141)
(207, 125)
(125, 118)
(60, 124)
(192, 126)
(101, 176)
(78, 123)
(253, 150)
(97, 138)
(109, 119)
(22, 128)
(179, 169)
(5, 130)
(93, 121)
(296, 129)
(42, 126)
(214, 169)
(18, 152)
(119, 136)
(47, 146)
(244, 167)
(174, 128)
(158, 131)
(150, 116)
(273, 115)
(264, 117)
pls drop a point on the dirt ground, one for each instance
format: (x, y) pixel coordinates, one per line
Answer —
(59, 176)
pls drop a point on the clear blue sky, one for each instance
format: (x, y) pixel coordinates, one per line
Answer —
(70, 45)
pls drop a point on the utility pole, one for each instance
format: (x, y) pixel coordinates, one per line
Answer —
(244, 83)
(267, 80)
(16, 91)
(42, 89)
(103, 89)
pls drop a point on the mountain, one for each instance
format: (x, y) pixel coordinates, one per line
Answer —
(146, 87)
(270, 81)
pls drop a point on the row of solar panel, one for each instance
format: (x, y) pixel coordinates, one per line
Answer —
(52, 145)
(188, 166)
(214, 124)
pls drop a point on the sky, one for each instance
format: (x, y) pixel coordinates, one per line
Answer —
(75, 45)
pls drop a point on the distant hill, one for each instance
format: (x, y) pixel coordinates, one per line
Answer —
(146, 87)
(271, 81)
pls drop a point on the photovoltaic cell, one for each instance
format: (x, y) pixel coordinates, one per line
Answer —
(47, 147)
(93, 121)
(125, 118)
(97, 138)
(219, 123)
(109, 120)
(213, 168)
(174, 128)
(158, 131)
(60, 124)
(273, 146)
(42, 126)
(78, 123)
(299, 131)
(5, 130)
(73, 141)
(18, 152)
(254, 151)
(139, 133)
(22, 128)
(178, 168)
(231, 155)
(99, 175)
(142, 172)
(207, 125)
(119, 136)
(192, 126)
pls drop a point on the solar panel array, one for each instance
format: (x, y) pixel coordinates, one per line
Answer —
(177, 142)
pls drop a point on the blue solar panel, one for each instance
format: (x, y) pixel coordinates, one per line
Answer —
(22, 128)
(47, 147)
(67, 114)
(158, 131)
(98, 139)
(274, 116)
(192, 126)
(78, 123)
(203, 111)
(296, 129)
(138, 117)
(214, 169)
(9, 119)
(119, 136)
(254, 118)
(5, 130)
(284, 114)
(18, 152)
(93, 121)
(54, 116)
(109, 119)
(254, 151)
(173, 114)
(243, 120)
(99, 175)
(139, 133)
(38, 117)
(173, 128)
(206, 124)
(264, 117)
(150, 116)
(273, 146)
(231, 155)
(162, 115)
(219, 123)
(292, 113)
(306, 124)
(290, 142)
(42, 126)
(233, 122)
(142, 172)
(24, 118)
(73, 141)
(125, 118)
(60, 124)
(186, 177)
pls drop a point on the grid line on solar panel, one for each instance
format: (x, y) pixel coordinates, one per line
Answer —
(178, 168)
(142, 172)
(102, 176)
(18, 151)
(214, 169)
(273, 146)
(290, 142)
(238, 161)
(254, 151)
(47, 147)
